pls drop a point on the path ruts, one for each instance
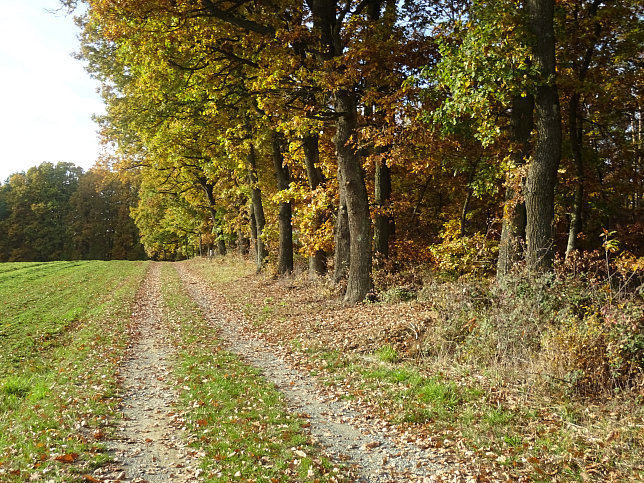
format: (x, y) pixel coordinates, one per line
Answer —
(150, 446)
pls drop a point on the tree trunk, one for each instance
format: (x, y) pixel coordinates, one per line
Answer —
(351, 178)
(468, 196)
(221, 246)
(216, 226)
(542, 170)
(243, 244)
(253, 230)
(382, 175)
(359, 280)
(575, 137)
(465, 210)
(514, 213)
(258, 209)
(310, 146)
(285, 256)
(342, 254)
(382, 195)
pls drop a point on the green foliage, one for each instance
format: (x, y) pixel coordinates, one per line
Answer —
(58, 212)
(458, 255)
(484, 62)
(189, 95)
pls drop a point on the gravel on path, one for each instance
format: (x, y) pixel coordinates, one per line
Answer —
(149, 445)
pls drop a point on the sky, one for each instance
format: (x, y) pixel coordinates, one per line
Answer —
(47, 99)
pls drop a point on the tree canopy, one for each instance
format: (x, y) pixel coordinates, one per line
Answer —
(452, 133)
(59, 212)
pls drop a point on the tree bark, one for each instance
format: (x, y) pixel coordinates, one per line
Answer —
(342, 237)
(359, 280)
(513, 230)
(258, 209)
(542, 170)
(310, 146)
(575, 137)
(221, 245)
(382, 195)
(253, 230)
(468, 196)
(243, 244)
(285, 256)
(216, 226)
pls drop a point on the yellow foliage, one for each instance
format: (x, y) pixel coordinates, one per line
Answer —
(463, 254)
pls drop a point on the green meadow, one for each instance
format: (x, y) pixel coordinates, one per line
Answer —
(62, 328)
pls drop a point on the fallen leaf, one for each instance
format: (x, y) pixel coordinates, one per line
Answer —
(67, 458)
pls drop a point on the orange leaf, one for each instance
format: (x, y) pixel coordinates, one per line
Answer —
(67, 458)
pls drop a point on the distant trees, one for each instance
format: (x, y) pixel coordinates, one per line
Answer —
(58, 212)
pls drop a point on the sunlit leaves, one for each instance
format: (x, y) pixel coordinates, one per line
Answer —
(484, 62)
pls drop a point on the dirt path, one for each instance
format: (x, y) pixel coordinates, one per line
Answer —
(377, 453)
(150, 446)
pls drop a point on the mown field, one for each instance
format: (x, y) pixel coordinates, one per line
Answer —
(61, 337)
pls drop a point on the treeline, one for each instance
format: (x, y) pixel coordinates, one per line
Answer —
(469, 135)
(59, 212)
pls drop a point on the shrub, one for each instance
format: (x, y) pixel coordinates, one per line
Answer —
(556, 326)
(460, 255)
(398, 294)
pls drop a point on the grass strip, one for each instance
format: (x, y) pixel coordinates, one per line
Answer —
(237, 419)
(462, 408)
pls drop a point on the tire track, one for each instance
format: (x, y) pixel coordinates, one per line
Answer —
(149, 445)
(342, 431)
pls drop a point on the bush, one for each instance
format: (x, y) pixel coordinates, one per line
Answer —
(398, 294)
(459, 255)
(560, 327)
(603, 350)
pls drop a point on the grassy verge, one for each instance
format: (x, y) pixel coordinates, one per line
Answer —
(238, 421)
(496, 426)
(61, 336)
(476, 383)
